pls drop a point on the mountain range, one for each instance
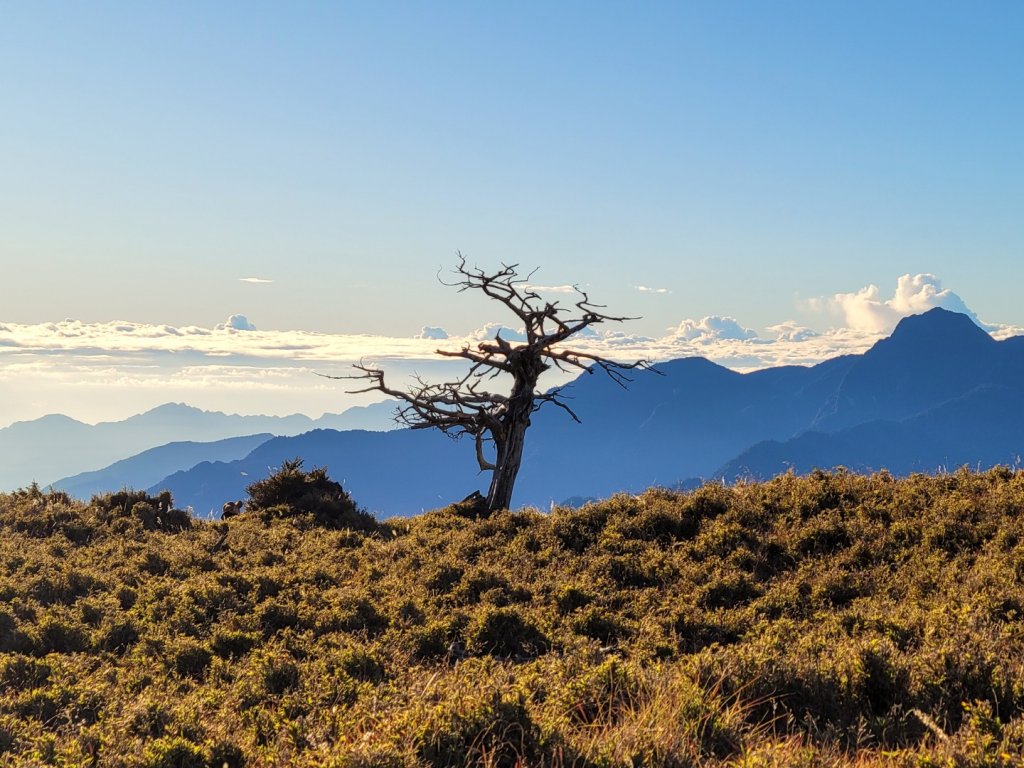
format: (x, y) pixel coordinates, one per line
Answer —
(938, 393)
(58, 446)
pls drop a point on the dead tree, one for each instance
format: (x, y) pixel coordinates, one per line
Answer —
(461, 407)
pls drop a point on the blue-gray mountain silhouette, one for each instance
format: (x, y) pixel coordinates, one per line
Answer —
(939, 392)
(57, 446)
(928, 360)
(981, 428)
(400, 472)
(148, 467)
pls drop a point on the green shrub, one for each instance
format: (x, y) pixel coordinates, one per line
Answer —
(119, 636)
(276, 616)
(173, 752)
(363, 665)
(506, 633)
(191, 659)
(20, 672)
(571, 598)
(232, 643)
(361, 615)
(497, 732)
(60, 633)
(279, 674)
(290, 491)
(602, 625)
(12, 638)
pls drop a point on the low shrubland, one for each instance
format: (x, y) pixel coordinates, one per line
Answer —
(830, 620)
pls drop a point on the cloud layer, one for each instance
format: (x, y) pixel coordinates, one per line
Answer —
(110, 370)
(96, 371)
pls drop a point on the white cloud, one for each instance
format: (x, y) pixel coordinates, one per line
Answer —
(431, 332)
(255, 280)
(491, 330)
(105, 369)
(866, 310)
(712, 328)
(648, 289)
(551, 288)
(237, 323)
(789, 330)
(1006, 331)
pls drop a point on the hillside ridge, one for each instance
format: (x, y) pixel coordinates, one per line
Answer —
(836, 620)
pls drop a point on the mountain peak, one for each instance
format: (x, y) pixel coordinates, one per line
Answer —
(929, 358)
(939, 327)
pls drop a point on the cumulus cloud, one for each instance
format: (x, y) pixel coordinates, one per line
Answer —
(237, 323)
(866, 310)
(792, 332)
(255, 280)
(712, 328)
(431, 332)
(491, 330)
(648, 289)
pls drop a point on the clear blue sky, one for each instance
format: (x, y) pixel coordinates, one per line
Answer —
(742, 155)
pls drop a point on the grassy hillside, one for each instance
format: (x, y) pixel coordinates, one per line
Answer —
(832, 620)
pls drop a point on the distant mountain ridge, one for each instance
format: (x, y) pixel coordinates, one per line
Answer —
(921, 365)
(57, 446)
(939, 392)
(982, 428)
(148, 467)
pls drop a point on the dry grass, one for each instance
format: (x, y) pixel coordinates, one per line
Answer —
(835, 620)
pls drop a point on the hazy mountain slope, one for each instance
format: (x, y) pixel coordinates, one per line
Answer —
(148, 467)
(401, 472)
(685, 423)
(58, 446)
(981, 429)
(376, 417)
(928, 359)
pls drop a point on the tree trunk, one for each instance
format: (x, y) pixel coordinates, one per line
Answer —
(503, 477)
(513, 434)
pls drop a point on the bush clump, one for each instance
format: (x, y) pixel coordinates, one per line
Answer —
(291, 492)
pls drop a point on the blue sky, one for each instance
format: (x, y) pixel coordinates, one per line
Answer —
(747, 158)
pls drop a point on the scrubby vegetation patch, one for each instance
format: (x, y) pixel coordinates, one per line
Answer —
(829, 620)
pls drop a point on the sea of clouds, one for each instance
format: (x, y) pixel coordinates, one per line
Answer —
(99, 371)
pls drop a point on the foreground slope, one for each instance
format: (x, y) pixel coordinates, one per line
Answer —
(828, 620)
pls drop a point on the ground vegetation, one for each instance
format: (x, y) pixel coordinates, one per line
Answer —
(832, 620)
